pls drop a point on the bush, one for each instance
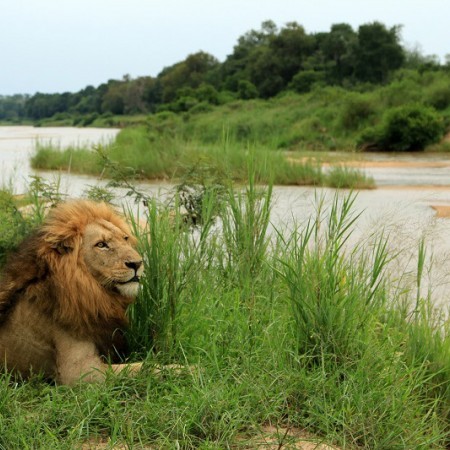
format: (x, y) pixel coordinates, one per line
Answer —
(406, 128)
(439, 96)
(355, 110)
(305, 80)
(247, 90)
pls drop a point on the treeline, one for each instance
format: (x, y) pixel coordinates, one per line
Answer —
(263, 63)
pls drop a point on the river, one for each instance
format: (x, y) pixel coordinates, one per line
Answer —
(409, 187)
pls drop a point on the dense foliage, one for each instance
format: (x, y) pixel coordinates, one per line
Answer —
(263, 63)
(405, 128)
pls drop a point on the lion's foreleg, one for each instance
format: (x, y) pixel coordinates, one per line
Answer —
(78, 360)
(131, 368)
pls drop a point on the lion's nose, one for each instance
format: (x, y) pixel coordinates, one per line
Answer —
(133, 264)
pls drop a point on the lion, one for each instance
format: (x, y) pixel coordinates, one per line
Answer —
(64, 295)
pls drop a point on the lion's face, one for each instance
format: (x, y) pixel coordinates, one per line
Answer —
(111, 258)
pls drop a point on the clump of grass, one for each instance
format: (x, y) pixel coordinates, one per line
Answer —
(170, 262)
(346, 177)
(245, 222)
(72, 159)
(332, 294)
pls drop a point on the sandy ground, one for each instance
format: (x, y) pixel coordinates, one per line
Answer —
(273, 438)
(270, 438)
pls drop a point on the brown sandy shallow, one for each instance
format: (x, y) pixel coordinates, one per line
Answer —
(415, 187)
(364, 163)
(394, 164)
(442, 211)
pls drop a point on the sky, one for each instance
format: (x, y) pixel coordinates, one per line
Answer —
(65, 45)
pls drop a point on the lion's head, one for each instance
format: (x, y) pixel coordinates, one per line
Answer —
(99, 240)
(110, 258)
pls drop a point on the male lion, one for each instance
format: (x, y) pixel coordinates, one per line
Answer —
(64, 293)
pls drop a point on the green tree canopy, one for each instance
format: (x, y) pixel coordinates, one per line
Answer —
(378, 52)
(191, 72)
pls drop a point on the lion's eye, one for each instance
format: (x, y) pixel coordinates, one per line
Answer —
(101, 244)
(126, 238)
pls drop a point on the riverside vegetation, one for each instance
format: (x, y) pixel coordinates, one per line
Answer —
(290, 134)
(281, 93)
(292, 328)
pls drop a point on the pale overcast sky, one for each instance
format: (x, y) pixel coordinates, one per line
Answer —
(65, 45)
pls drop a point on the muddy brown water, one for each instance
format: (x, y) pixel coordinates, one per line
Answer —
(410, 202)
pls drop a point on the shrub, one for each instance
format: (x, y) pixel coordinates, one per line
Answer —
(406, 128)
(88, 119)
(247, 90)
(305, 80)
(355, 110)
(439, 96)
(201, 107)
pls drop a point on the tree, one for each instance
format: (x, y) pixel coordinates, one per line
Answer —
(269, 60)
(191, 72)
(236, 66)
(152, 93)
(378, 52)
(292, 46)
(12, 106)
(114, 98)
(264, 68)
(338, 49)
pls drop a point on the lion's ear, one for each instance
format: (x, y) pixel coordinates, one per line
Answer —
(63, 247)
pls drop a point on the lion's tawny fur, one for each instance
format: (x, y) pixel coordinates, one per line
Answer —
(63, 296)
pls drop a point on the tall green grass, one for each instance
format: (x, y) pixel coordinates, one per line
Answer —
(300, 330)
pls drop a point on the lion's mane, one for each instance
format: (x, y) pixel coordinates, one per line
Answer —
(47, 269)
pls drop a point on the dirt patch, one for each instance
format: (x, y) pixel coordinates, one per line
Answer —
(273, 438)
(269, 438)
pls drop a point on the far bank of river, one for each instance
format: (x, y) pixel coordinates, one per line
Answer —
(410, 186)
